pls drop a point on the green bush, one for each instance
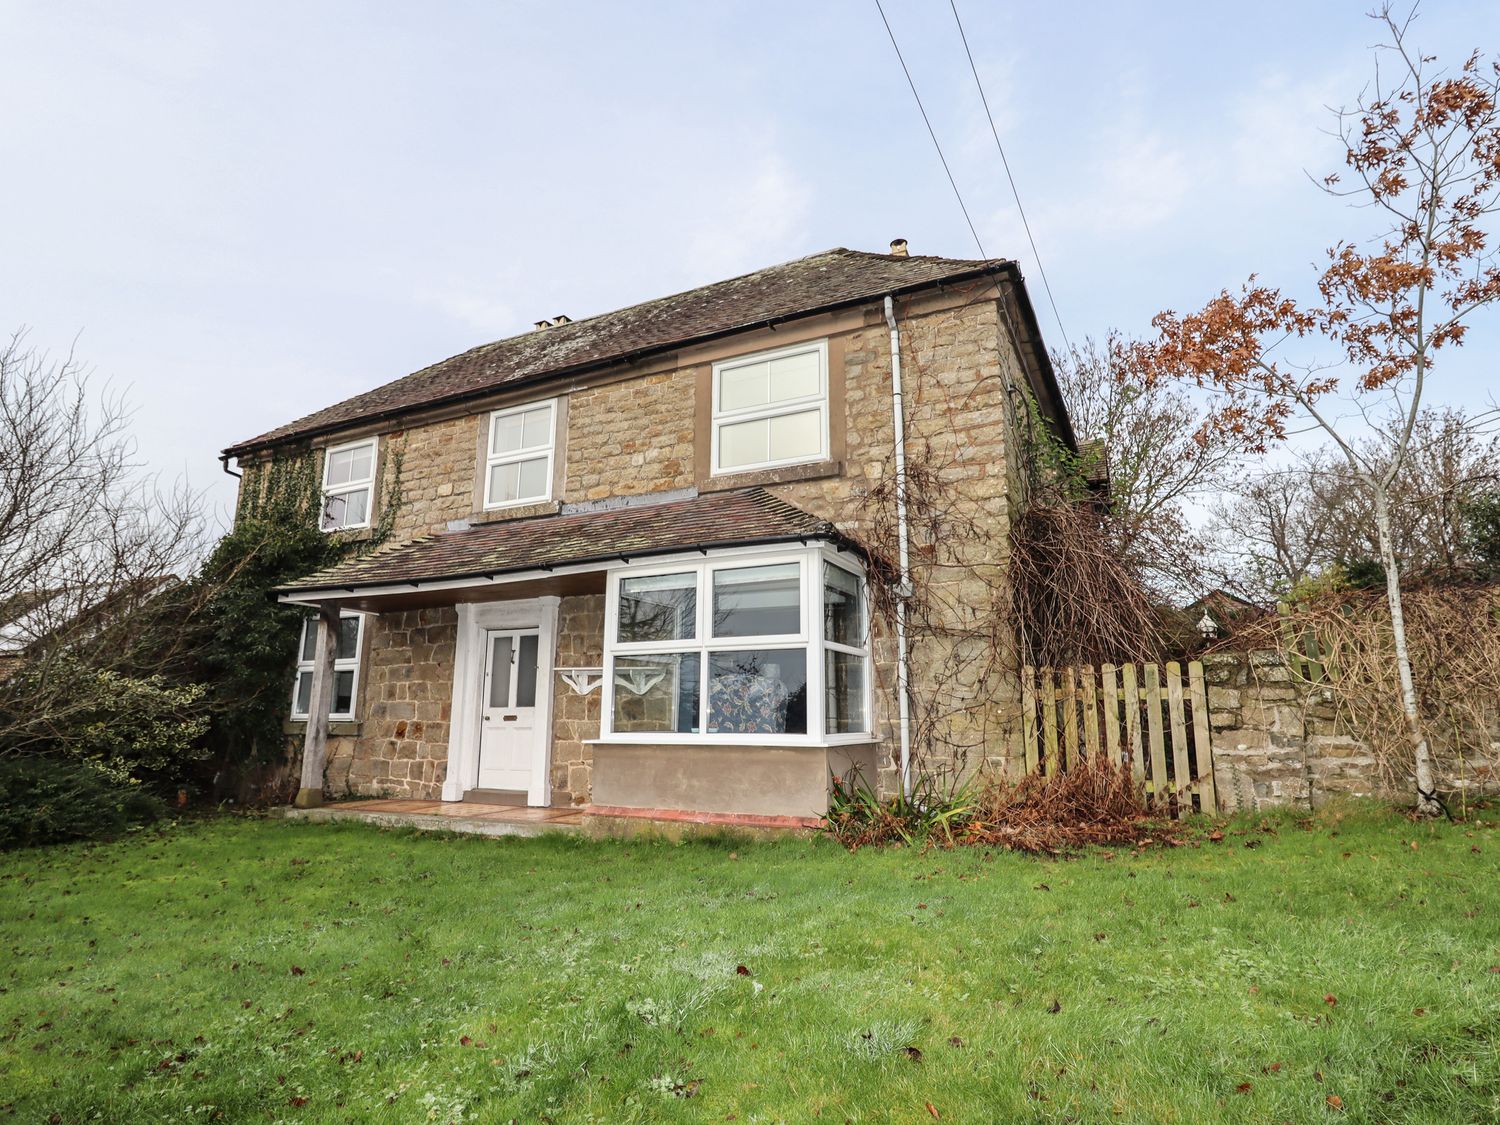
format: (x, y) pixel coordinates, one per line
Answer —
(48, 800)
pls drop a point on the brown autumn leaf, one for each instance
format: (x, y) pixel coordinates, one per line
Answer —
(1055, 1006)
(932, 1109)
(297, 1100)
(298, 971)
(1330, 999)
(1216, 836)
(912, 1053)
(1335, 1102)
(1244, 1088)
(464, 1040)
(955, 1041)
(741, 970)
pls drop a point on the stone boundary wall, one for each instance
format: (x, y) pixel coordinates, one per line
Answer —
(1279, 741)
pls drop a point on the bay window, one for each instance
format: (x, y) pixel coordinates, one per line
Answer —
(766, 646)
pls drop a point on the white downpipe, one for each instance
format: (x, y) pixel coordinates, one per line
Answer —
(903, 589)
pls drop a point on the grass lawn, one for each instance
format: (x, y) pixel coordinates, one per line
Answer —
(1342, 968)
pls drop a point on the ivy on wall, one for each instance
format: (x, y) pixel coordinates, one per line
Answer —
(249, 649)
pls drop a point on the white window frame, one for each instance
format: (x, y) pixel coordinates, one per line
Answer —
(365, 485)
(491, 458)
(809, 638)
(722, 418)
(347, 664)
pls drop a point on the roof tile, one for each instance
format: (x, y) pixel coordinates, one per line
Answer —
(718, 519)
(827, 280)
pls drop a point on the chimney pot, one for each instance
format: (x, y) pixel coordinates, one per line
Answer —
(562, 318)
(542, 324)
(898, 247)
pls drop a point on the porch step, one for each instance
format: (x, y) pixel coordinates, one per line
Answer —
(439, 816)
(496, 796)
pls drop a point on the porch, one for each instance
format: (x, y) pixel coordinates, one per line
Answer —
(704, 656)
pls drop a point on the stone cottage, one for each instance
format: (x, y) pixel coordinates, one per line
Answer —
(630, 562)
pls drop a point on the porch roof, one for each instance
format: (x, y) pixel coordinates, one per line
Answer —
(722, 519)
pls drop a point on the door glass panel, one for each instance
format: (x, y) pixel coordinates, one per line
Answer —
(310, 639)
(500, 671)
(304, 693)
(526, 672)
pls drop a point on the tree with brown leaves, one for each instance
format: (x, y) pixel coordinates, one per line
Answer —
(1424, 147)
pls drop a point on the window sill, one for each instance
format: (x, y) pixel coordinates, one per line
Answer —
(350, 534)
(515, 512)
(770, 741)
(786, 474)
(337, 728)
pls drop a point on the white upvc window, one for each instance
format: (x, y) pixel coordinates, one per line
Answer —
(345, 691)
(771, 409)
(348, 485)
(518, 456)
(758, 646)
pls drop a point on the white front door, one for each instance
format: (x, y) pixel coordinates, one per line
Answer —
(509, 737)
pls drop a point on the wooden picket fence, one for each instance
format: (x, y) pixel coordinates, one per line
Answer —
(1149, 716)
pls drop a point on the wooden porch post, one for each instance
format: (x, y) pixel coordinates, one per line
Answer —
(315, 745)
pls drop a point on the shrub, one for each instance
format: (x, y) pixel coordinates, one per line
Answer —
(49, 800)
(1094, 802)
(857, 816)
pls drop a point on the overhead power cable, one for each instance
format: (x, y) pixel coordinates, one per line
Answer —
(931, 133)
(994, 132)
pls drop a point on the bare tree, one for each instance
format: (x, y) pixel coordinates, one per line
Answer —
(1158, 455)
(1425, 151)
(1286, 525)
(86, 540)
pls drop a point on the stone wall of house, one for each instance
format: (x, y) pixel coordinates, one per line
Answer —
(631, 438)
(959, 376)
(1279, 741)
(636, 436)
(575, 717)
(405, 703)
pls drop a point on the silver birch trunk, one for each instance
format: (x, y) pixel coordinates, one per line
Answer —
(1427, 802)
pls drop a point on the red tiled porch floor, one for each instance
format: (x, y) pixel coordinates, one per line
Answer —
(448, 816)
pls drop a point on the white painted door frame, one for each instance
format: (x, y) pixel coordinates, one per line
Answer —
(474, 620)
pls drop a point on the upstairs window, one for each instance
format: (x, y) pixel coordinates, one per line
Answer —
(345, 667)
(771, 409)
(518, 458)
(348, 486)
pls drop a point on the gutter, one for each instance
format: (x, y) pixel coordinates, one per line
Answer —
(903, 585)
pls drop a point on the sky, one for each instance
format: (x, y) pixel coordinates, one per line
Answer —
(236, 214)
